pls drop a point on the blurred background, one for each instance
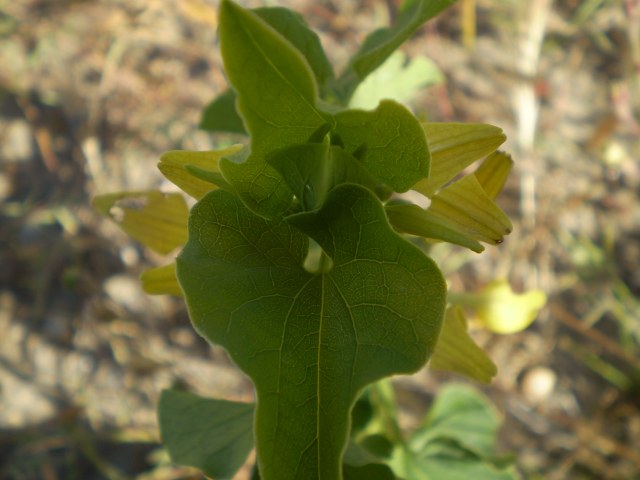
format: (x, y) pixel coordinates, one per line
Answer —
(93, 92)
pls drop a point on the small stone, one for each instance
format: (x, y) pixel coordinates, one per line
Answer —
(18, 142)
(538, 384)
(23, 403)
(5, 186)
(125, 290)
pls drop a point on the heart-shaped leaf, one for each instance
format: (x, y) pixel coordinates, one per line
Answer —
(310, 342)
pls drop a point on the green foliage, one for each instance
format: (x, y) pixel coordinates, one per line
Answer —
(283, 325)
(294, 260)
(398, 78)
(380, 44)
(454, 441)
(215, 436)
(391, 141)
(276, 93)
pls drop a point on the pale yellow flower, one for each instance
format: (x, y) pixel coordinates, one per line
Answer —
(499, 309)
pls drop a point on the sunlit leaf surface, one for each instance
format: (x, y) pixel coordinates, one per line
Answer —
(310, 342)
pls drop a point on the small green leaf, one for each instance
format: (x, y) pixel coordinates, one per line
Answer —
(276, 93)
(380, 44)
(466, 205)
(455, 146)
(161, 281)
(312, 169)
(493, 172)
(221, 115)
(457, 352)
(398, 78)
(175, 164)
(455, 441)
(393, 141)
(412, 219)
(459, 466)
(463, 415)
(310, 342)
(213, 435)
(294, 28)
(157, 220)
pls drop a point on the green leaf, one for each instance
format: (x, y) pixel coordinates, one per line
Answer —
(213, 435)
(457, 352)
(412, 219)
(155, 219)
(161, 281)
(362, 465)
(461, 466)
(455, 146)
(455, 441)
(276, 93)
(493, 172)
(393, 141)
(175, 166)
(467, 206)
(294, 28)
(463, 415)
(398, 78)
(309, 342)
(380, 44)
(221, 115)
(312, 169)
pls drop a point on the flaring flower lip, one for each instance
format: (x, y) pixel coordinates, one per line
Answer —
(499, 309)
